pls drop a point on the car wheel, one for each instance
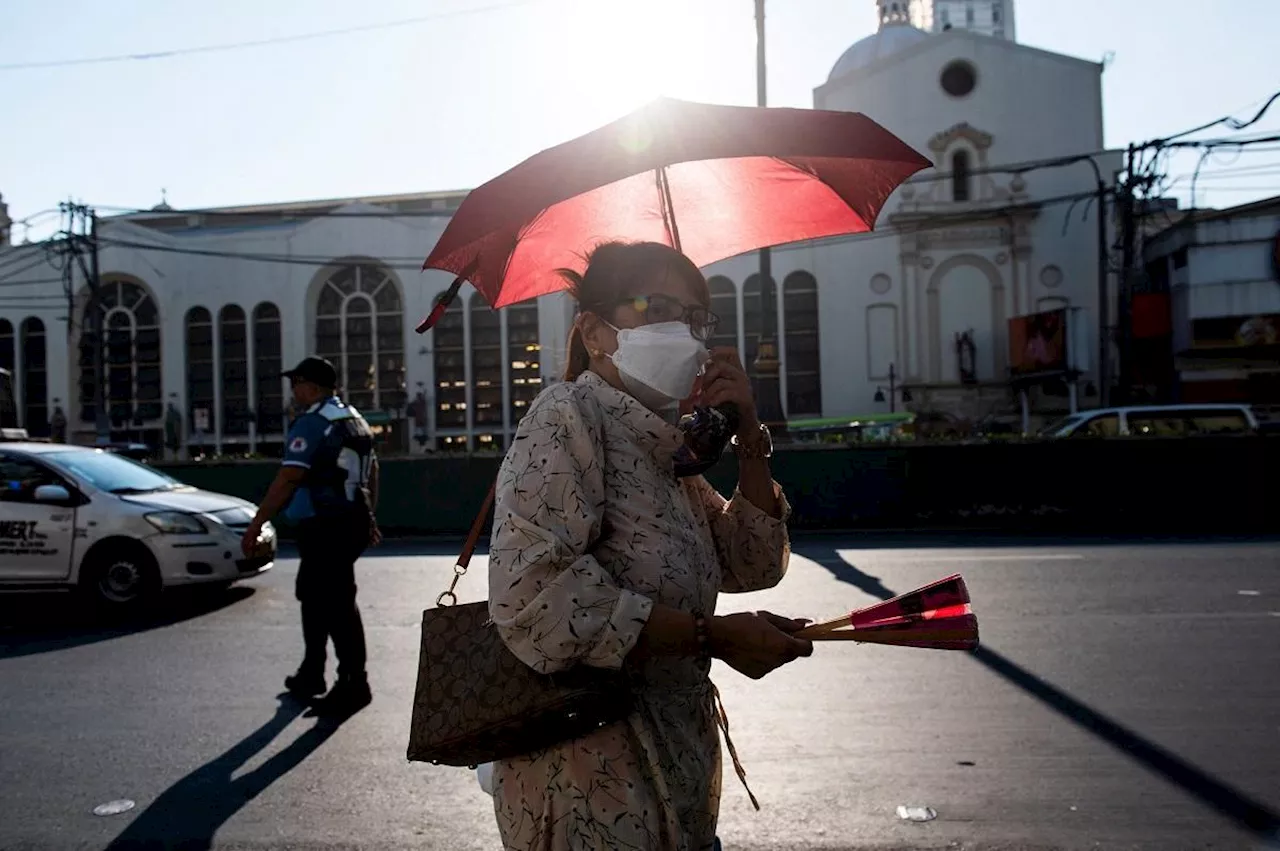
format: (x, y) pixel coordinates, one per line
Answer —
(122, 577)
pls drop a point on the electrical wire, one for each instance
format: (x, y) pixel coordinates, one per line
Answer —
(932, 175)
(1233, 123)
(263, 42)
(7, 274)
(933, 222)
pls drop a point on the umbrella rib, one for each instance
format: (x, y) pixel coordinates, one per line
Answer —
(668, 208)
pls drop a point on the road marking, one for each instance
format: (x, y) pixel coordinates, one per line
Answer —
(924, 558)
(1249, 593)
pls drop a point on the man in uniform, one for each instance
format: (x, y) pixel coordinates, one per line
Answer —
(329, 482)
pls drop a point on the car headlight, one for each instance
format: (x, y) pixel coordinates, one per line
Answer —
(176, 523)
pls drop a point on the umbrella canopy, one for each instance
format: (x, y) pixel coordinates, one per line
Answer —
(712, 181)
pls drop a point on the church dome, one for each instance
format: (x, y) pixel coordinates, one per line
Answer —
(888, 41)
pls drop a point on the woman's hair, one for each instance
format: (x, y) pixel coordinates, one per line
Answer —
(616, 270)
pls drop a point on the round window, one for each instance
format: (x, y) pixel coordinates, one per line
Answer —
(958, 78)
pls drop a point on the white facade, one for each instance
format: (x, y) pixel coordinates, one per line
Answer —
(959, 250)
(967, 245)
(214, 282)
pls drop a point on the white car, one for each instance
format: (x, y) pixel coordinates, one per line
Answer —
(1156, 421)
(114, 528)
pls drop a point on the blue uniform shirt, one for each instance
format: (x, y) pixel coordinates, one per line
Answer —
(333, 443)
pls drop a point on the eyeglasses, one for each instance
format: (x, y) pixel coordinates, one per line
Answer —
(664, 308)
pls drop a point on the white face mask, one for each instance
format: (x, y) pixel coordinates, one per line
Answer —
(658, 363)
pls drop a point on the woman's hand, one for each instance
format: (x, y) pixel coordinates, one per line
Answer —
(725, 380)
(754, 643)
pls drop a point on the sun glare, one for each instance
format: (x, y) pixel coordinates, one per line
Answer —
(629, 53)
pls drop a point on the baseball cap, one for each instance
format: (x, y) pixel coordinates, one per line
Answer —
(317, 370)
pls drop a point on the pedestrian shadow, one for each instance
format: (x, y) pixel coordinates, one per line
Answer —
(1231, 803)
(188, 814)
(842, 570)
(45, 622)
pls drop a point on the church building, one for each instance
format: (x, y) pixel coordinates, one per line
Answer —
(203, 310)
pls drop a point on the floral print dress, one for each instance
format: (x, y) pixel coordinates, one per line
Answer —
(591, 528)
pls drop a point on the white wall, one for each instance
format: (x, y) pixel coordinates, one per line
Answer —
(1038, 104)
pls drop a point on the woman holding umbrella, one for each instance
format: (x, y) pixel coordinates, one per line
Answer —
(601, 556)
(607, 550)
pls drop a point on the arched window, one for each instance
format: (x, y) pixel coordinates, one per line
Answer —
(724, 304)
(360, 328)
(486, 370)
(200, 371)
(131, 356)
(523, 357)
(267, 365)
(804, 370)
(961, 176)
(35, 378)
(234, 370)
(7, 351)
(449, 354)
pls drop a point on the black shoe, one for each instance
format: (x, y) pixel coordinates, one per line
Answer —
(347, 697)
(305, 685)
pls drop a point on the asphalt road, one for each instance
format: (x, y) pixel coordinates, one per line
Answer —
(1125, 696)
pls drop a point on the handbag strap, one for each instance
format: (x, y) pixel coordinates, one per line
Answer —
(464, 558)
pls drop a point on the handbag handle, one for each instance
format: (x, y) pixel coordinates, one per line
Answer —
(464, 558)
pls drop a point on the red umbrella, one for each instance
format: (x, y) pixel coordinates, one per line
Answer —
(711, 181)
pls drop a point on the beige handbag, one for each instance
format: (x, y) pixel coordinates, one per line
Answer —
(475, 702)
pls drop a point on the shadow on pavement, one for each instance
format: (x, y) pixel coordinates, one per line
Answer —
(45, 622)
(189, 813)
(927, 539)
(1239, 808)
(870, 539)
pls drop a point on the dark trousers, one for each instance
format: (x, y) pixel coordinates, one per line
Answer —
(326, 590)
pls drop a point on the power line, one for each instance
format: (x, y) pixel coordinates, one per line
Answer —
(931, 222)
(405, 263)
(286, 215)
(7, 274)
(932, 175)
(1233, 123)
(263, 42)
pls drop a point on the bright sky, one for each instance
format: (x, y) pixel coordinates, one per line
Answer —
(452, 101)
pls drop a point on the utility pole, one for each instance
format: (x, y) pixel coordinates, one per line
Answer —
(1104, 306)
(79, 219)
(102, 423)
(768, 389)
(1128, 227)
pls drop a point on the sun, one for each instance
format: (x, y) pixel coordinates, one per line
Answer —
(628, 53)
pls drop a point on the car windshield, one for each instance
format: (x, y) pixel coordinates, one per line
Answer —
(112, 473)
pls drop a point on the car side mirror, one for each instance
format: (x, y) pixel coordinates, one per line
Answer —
(53, 494)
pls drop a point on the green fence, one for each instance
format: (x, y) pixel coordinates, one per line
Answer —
(1192, 485)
